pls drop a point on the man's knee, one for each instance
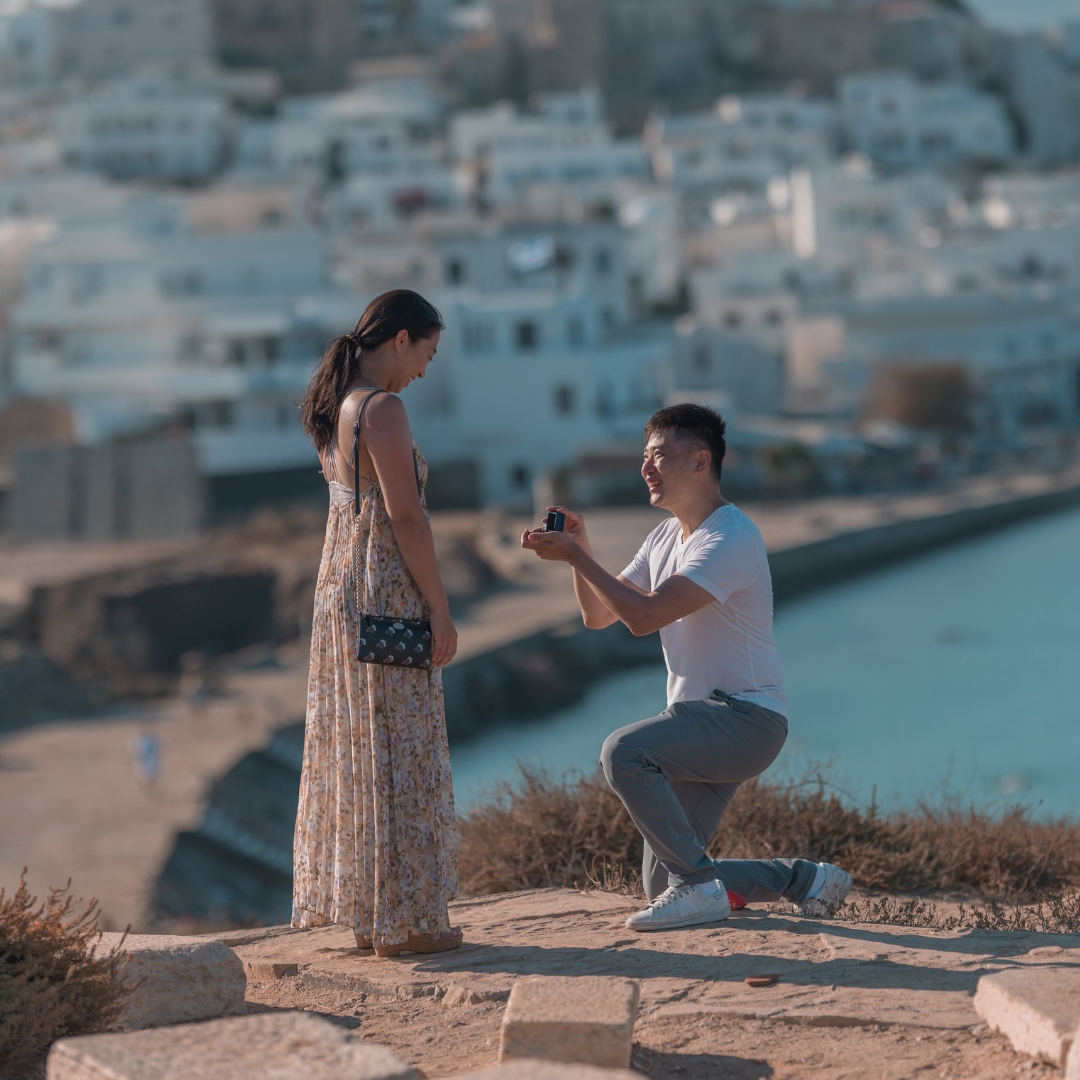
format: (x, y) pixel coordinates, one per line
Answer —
(619, 758)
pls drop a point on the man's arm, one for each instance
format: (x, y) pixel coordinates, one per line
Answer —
(642, 612)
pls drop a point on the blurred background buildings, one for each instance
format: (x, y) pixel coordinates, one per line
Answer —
(853, 225)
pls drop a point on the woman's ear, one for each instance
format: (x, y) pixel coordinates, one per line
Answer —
(402, 341)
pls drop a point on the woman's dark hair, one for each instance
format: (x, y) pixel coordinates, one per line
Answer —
(386, 316)
(696, 424)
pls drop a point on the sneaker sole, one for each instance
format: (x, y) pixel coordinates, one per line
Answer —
(699, 921)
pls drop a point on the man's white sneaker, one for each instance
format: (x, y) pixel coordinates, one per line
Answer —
(833, 893)
(681, 905)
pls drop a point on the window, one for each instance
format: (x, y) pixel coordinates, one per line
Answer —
(527, 335)
(519, 476)
(733, 320)
(602, 261)
(773, 317)
(575, 331)
(455, 271)
(564, 400)
(271, 349)
(702, 360)
(285, 414)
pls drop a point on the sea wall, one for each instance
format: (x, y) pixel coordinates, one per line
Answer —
(801, 569)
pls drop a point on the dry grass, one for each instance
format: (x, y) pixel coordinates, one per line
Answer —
(1052, 913)
(51, 983)
(541, 833)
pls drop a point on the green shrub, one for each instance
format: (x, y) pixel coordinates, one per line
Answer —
(52, 983)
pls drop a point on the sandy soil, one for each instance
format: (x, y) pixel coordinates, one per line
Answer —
(853, 1001)
(73, 806)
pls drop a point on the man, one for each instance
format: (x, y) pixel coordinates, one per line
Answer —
(702, 579)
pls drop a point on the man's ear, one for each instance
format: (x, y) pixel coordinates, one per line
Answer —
(704, 461)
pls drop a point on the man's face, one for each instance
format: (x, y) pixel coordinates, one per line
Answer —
(672, 467)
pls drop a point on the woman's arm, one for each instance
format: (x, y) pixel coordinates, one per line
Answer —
(386, 434)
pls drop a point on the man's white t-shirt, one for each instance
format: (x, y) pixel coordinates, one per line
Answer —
(727, 645)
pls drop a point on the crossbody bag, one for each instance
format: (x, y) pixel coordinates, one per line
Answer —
(382, 639)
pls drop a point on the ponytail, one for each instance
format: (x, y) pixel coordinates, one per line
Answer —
(386, 316)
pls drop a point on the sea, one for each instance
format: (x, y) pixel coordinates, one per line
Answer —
(951, 677)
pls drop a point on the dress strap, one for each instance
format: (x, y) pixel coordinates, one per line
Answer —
(356, 448)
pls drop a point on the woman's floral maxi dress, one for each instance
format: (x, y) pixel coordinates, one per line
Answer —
(376, 839)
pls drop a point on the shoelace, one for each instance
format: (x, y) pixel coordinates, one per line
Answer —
(669, 896)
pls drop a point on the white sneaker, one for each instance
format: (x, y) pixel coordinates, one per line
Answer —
(682, 905)
(833, 893)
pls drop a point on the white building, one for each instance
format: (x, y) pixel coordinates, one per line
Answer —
(525, 381)
(151, 128)
(902, 123)
(133, 325)
(29, 45)
(742, 144)
(564, 147)
(44, 42)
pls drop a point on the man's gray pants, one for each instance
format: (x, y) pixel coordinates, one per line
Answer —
(676, 774)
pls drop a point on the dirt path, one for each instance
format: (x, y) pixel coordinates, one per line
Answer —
(853, 1000)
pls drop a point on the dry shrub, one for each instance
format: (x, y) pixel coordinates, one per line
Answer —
(51, 983)
(543, 833)
(1053, 913)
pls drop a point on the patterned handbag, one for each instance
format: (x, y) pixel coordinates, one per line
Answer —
(382, 639)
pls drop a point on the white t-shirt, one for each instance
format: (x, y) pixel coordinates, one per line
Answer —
(728, 644)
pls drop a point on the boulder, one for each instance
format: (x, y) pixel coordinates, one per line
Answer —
(588, 1020)
(176, 979)
(1036, 1007)
(286, 1045)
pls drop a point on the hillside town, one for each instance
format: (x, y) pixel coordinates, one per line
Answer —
(851, 226)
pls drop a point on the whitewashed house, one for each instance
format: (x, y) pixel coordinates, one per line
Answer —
(902, 123)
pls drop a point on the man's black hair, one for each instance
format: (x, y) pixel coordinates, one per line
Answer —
(694, 423)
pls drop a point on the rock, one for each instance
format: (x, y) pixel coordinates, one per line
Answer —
(177, 979)
(268, 971)
(287, 1046)
(457, 994)
(534, 1069)
(1036, 1007)
(587, 1019)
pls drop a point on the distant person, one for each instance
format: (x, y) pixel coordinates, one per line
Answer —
(146, 750)
(376, 836)
(702, 579)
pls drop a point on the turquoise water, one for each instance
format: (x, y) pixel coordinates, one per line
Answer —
(956, 673)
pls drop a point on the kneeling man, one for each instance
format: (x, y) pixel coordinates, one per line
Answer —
(702, 579)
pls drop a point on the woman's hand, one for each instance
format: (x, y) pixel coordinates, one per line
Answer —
(443, 639)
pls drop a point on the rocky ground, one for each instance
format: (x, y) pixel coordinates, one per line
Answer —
(853, 1000)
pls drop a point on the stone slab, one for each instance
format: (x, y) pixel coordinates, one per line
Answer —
(585, 1019)
(1037, 1008)
(177, 979)
(286, 1046)
(832, 973)
(536, 1069)
(1072, 1065)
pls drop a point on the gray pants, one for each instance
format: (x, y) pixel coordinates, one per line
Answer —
(676, 774)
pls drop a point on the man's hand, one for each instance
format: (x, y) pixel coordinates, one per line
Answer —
(552, 546)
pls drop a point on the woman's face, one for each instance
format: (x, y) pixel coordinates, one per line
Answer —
(411, 358)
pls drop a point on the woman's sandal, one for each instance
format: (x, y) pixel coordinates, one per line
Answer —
(361, 941)
(424, 943)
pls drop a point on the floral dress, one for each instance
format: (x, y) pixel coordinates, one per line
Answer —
(376, 839)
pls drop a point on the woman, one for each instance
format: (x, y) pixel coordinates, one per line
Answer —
(376, 842)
